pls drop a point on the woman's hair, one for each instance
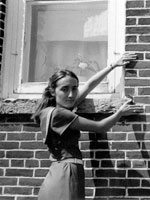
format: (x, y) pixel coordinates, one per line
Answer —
(47, 98)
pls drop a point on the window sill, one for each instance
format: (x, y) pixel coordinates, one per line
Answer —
(88, 106)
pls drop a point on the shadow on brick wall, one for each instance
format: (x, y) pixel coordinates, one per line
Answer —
(121, 168)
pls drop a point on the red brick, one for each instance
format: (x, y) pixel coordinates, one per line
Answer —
(89, 173)
(137, 82)
(139, 65)
(85, 136)
(8, 181)
(31, 127)
(147, 3)
(45, 163)
(145, 183)
(139, 136)
(42, 154)
(125, 145)
(147, 109)
(138, 47)
(144, 73)
(124, 183)
(96, 182)
(131, 73)
(110, 192)
(10, 127)
(6, 198)
(138, 12)
(144, 21)
(145, 145)
(19, 172)
(30, 182)
(88, 154)
(138, 30)
(140, 56)
(107, 164)
(32, 145)
(39, 136)
(18, 190)
(89, 192)
(2, 136)
(110, 173)
(9, 145)
(123, 164)
(109, 154)
(17, 163)
(32, 163)
(135, 4)
(19, 154)
(138, 154)
(116, 136)
(35, 191)
(144, 91)
(127, 128)
(138, 173)
(2, 154)
(92, 163)
(129, 91)
(4, 163)
(131, 21)
(20, 136)
(139, 164)
(131, 39)
(143, 100)
(94, 145)
(139, 192)
(41, 172)
(144, 39)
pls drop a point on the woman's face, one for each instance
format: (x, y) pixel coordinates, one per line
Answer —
(66, 92)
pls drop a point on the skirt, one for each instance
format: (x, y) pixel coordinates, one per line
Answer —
(64, 181)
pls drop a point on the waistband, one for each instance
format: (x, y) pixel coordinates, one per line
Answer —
(70, 160)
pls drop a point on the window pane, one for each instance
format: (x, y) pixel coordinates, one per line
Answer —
(66, 35)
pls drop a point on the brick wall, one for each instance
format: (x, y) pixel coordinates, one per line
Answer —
(117, 163)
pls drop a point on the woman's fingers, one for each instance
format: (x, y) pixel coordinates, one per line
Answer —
(129, 56)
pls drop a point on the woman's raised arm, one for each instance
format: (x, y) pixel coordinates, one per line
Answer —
(105, 124)
(99, 76)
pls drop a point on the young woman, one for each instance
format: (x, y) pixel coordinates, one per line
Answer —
(61, 128)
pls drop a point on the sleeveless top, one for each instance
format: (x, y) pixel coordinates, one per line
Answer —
(62, 141)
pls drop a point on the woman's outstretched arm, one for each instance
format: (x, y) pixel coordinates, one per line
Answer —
(104, 125)
(99, 76)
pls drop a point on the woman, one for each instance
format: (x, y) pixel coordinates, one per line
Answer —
(61, 128)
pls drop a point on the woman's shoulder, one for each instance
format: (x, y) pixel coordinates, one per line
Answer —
(57, 113)
(63, 112)
(61, 119)
(47, 109)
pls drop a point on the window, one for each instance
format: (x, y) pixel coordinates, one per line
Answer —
(43, 36)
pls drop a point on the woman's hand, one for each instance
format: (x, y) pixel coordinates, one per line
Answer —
(127, 109)
(125, 59)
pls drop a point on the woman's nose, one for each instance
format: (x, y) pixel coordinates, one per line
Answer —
(70, 93)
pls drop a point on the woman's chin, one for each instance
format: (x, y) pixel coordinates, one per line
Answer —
(70, 107)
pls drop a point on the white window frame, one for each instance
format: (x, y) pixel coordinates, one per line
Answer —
(14, 49)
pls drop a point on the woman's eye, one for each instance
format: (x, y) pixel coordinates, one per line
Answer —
(65, 89)
(75, 88)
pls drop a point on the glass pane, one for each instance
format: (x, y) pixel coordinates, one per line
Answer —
(72, 35)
